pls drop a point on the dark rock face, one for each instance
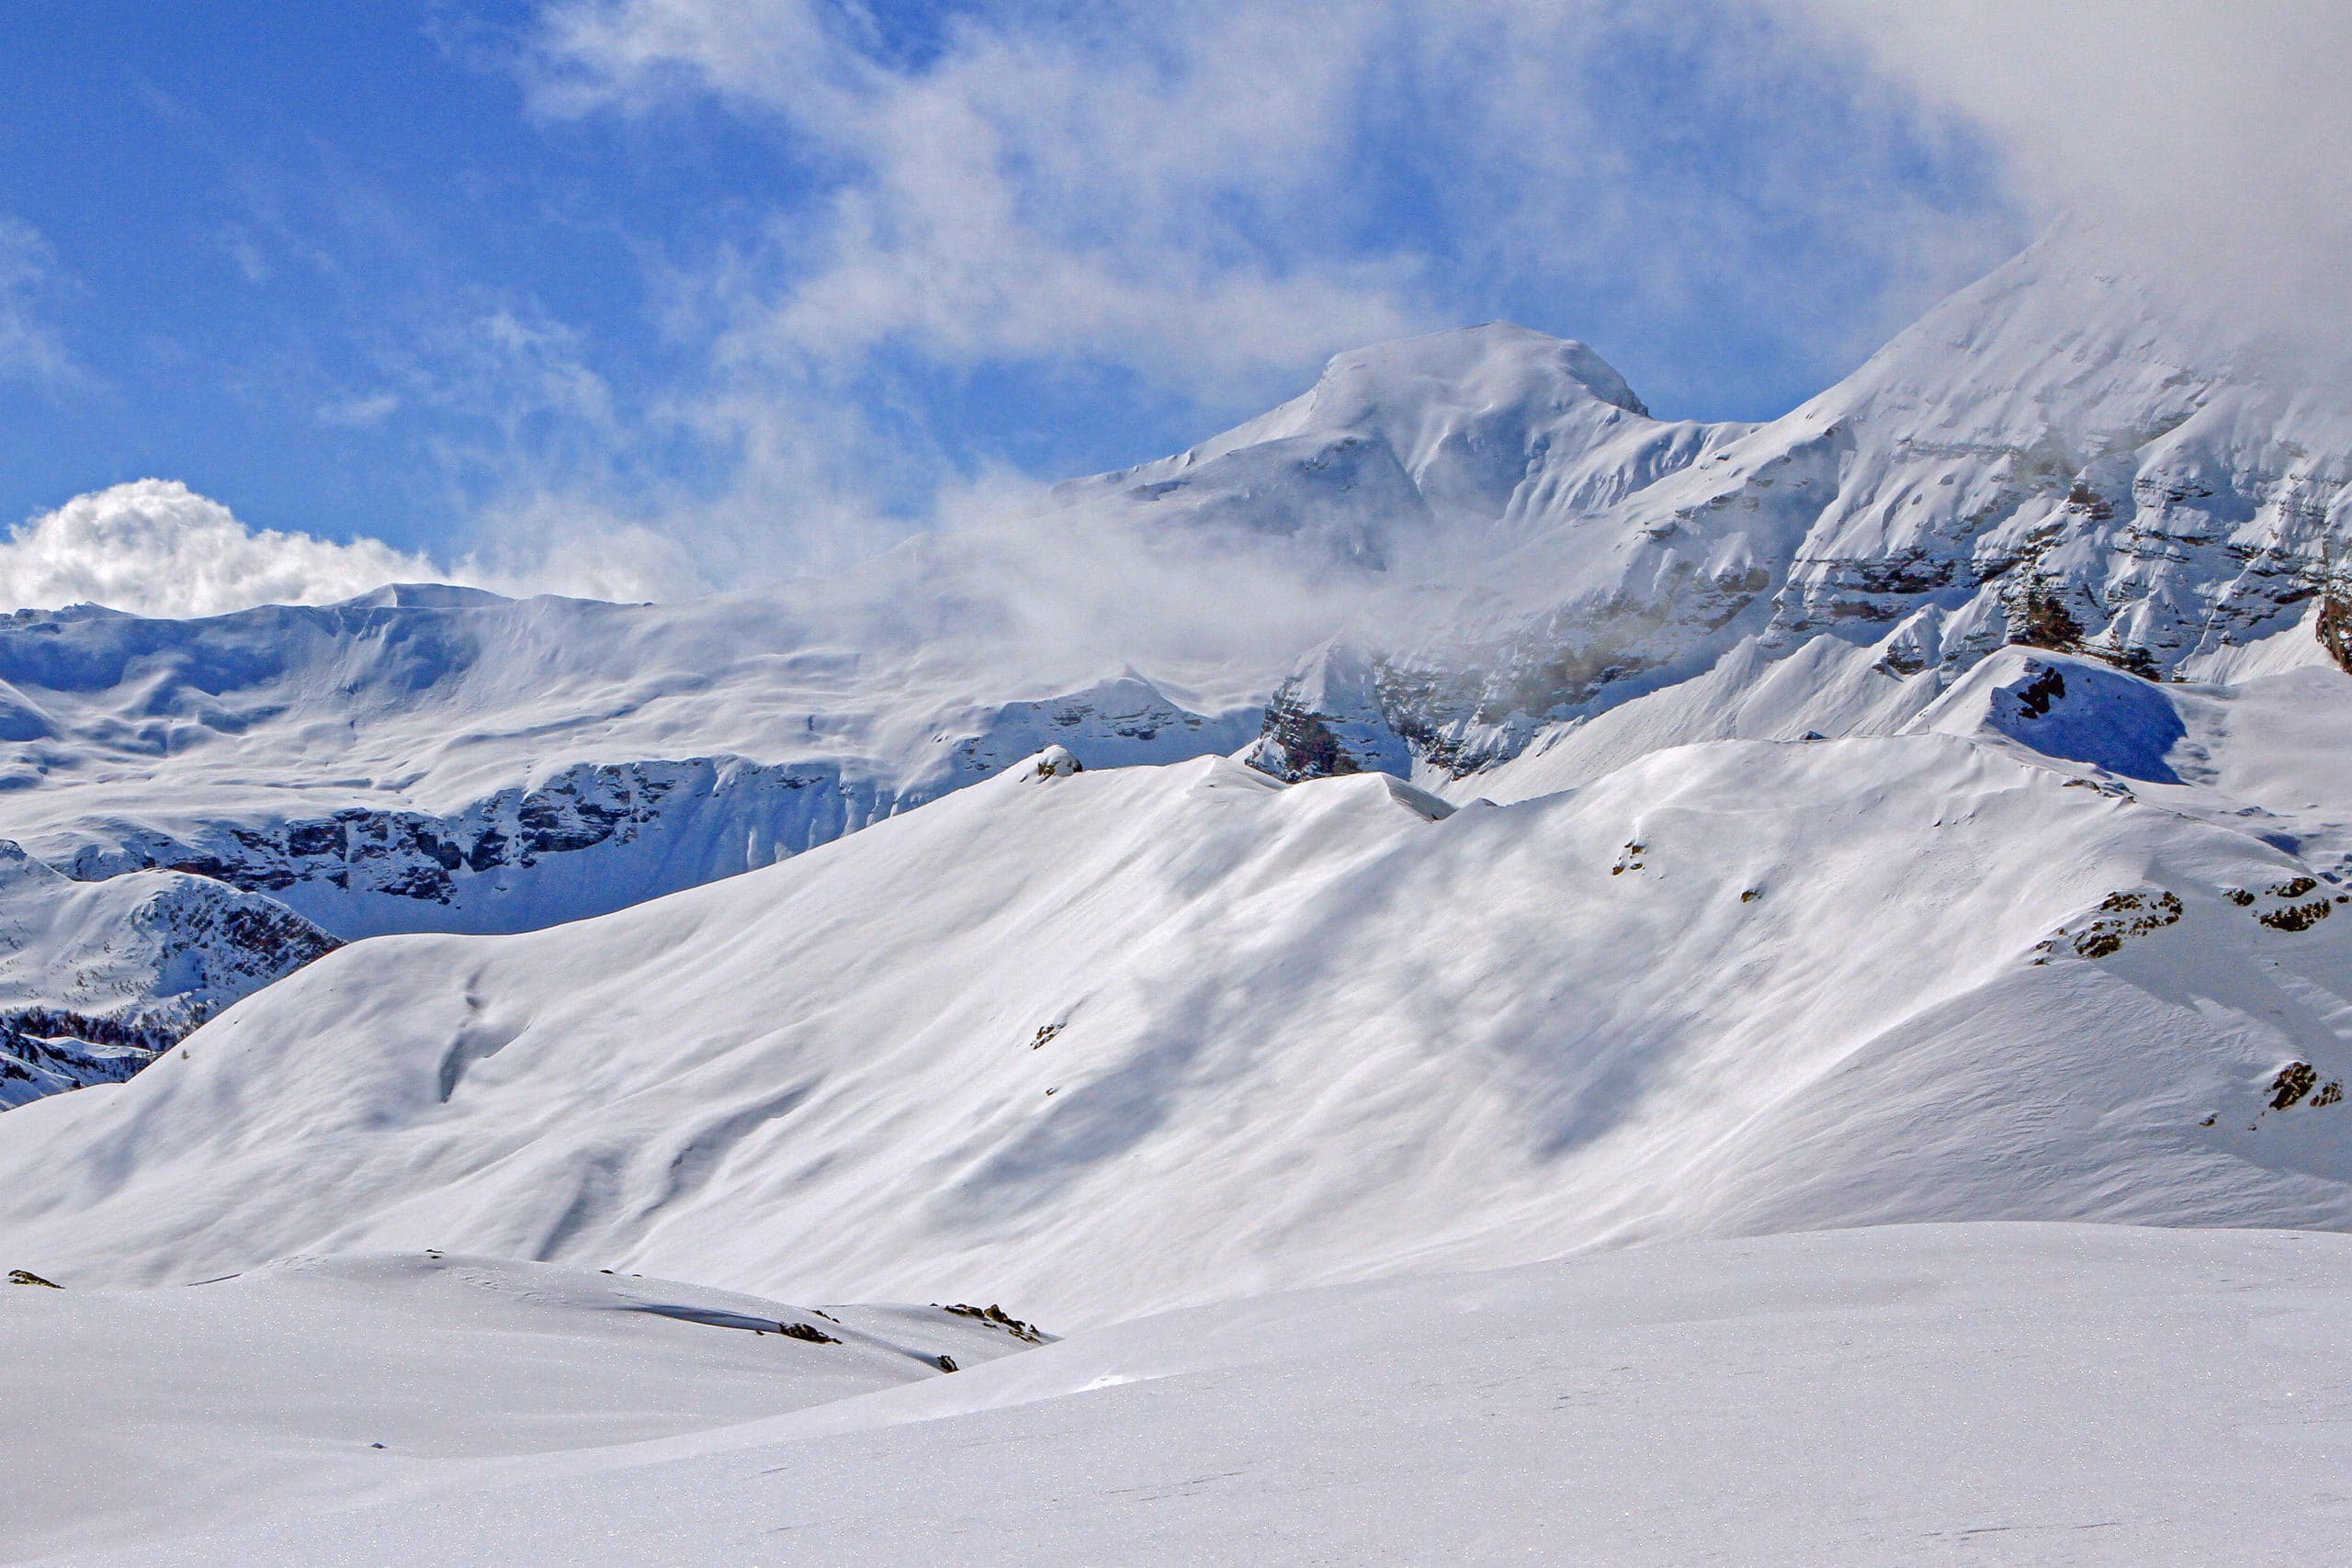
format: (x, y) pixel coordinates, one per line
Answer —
(2336, 629)
(1298, 744)
(43, 1051)
(2034, 699)
(690, 821)
(1332, 718)
(2042, 620)
(407, 854)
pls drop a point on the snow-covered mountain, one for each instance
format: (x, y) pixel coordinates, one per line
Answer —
(1416, 455)
(96, 977)
(2054, 456)
(1111, 1039)
(1455, 820)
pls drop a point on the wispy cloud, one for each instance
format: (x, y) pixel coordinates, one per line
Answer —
(373, 408)
(1206, 200)
(30, 346)
(1223, 191)
(2212, 140)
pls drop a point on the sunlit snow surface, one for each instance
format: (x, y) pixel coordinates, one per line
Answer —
(1128, 1040)
(2003, 1393)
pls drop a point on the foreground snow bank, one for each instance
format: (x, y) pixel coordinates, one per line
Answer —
(1989, 1393)
(140, 1413)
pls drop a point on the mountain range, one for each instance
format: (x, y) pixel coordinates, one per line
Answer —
(1454, 821)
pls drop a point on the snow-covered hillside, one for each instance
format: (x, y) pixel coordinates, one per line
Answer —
(1118, 1040)
(1987, 1394)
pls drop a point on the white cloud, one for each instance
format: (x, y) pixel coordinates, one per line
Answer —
(1034, 191)
(156, 547)
(1205, 199)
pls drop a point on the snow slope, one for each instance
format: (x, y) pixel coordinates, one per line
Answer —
(155, 1413)
(1979, 1394)
(1126, 1040)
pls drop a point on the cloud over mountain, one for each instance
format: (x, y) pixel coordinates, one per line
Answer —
(156, 547)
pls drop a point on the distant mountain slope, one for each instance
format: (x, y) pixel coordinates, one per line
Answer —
(1119, 1040)
(96, 977)
(427, 759)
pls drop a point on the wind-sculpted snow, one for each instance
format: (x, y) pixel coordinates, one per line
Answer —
(1124, 1039)
(321, 1380)
(2013, 1395)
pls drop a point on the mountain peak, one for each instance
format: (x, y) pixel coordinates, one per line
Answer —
(425, 596)
(1494, 363)
(1416, 448)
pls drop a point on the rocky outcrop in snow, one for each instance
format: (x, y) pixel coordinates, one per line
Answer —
(1329, 719)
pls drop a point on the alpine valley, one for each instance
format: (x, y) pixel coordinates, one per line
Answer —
(1455, 897)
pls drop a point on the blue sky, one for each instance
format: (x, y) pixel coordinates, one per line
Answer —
(761, 281)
